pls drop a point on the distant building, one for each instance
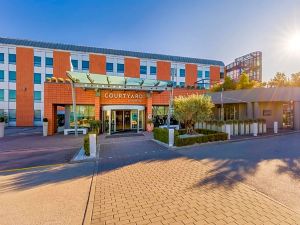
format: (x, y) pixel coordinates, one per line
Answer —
(250, 63)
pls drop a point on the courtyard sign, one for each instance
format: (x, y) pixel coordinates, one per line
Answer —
(124, 96)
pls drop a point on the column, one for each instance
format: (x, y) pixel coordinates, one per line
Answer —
(296, 115)
(249, 110)
(256, 110)
(97, 106)
(149, 106)
(67, 116)
(138, 121)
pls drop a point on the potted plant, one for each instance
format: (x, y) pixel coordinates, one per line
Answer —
(2, 126)
(45, 127)
(150, 125)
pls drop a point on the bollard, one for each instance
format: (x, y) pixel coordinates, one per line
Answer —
(171, 137)
(275, 127)
(93, 144)
(255, 129)
(227, 130)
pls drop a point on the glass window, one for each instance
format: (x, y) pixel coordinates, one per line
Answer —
(109, 67)
(12, 95)
(173, 72)
(2, 58)
(37, 96)
(84, 114)
(12, 58)
(1, 95)
(49, 75)
(37, 61)
(49, 62)
(199, 73)
(206, 74)
(75, 64)
(85, 65)
(120, 68)
(182, 72)
(182, 84)
(37, 115)
(11, 115)
(12, 76)
(1, 75)
(152, 70)
(1, 112)
(37, 78)
(143, 69)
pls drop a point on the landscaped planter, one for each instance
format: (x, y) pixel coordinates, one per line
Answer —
(2, 127)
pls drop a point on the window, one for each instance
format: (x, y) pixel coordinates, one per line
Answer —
(12, 95)
(120, 68)
(49, 62)
(75, 64)
(1, 75)
(143, 69)
(37, 78)
(37, 96)
(182, 84)
(11, 115)
(152, 70)
(199, 73)
(1, 112)
(182, 72)
(49, 75)
(1, 95)
(2, 58)
(109, 67)
(37, 61)
(206, 74)
(37, 115)
(173, 72)
(85, 65)
(12, 76)
(12, 59)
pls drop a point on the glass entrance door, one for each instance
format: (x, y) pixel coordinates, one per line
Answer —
(119, 120)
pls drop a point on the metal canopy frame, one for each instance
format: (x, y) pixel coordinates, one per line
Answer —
(100, 81)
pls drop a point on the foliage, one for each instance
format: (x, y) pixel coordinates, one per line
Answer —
(228, 84)
(162, 134)
(95, 126)
(2, 119)
(295, 79)
(149, 121)
(192, 109)
(86, 145)
(279, 80)
(45, 120)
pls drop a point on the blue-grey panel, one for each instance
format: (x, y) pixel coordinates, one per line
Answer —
(39, 44)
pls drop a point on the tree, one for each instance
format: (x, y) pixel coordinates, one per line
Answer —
(295, 79)
(192, 109)
(228, 84)
(279, 80)
(244, 82)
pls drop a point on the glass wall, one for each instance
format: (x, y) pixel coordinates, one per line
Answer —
(84, 114)
(160, 116)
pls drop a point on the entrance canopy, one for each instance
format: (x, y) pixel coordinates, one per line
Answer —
(100, 81)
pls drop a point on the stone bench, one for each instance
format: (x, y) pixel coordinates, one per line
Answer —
(71, 130)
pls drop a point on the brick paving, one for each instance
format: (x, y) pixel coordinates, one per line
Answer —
(143, 183)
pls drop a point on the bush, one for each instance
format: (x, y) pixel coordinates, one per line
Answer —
(95, 126)
(86, 145)
(161, 134)
(2, 119)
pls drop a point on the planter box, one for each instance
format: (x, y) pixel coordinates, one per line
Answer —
(236, 129)
(2, 127)
(264, 128)
(241, 129)
(45, 129)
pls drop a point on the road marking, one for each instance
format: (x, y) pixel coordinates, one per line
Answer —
(32, 167)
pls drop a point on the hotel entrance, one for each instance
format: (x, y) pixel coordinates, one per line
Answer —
(122, 118)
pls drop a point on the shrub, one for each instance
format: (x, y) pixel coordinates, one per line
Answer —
(161, 134)
(261, 120)
(2, 119)
(45, 120)
(95, 126)
(86, 145)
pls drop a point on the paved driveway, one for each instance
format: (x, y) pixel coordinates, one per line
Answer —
(141, 182)
(34, 150)
(271, 165)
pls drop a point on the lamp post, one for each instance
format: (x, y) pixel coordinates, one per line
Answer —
(170, 111)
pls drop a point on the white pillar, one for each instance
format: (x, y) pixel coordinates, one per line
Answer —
(227, 130)
(275, 127)
(138, 121)
(255, 128)
(171, 137)
(67, 116)
(93, 144)
(109, 122)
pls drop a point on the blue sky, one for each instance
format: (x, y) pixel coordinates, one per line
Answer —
(211, 29)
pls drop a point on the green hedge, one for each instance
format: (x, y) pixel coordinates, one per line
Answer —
(86, 145)
(161, 134)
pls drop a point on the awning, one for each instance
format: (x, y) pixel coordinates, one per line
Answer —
(101, 81)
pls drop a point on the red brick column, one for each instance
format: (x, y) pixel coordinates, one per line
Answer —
(149, 106)
(51, 113)
(97, 108)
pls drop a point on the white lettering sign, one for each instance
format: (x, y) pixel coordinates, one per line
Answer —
(124, 95)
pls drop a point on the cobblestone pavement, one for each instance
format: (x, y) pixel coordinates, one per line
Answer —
(140, 182)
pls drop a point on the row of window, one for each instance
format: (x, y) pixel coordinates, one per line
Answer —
(12, 95)
(12, 115)
(37, 77)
